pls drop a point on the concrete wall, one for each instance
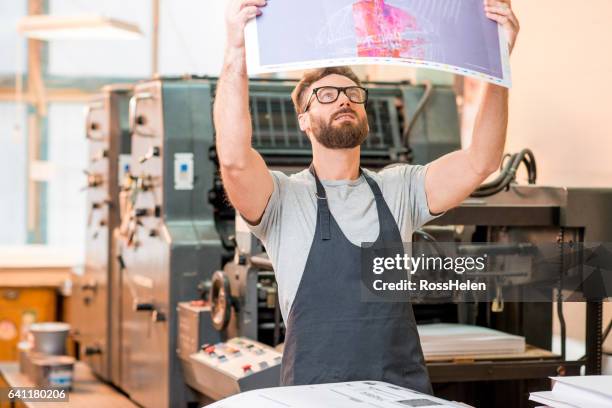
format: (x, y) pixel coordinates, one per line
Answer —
(561, 103)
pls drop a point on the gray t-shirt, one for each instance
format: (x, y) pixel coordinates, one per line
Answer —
(289, 220)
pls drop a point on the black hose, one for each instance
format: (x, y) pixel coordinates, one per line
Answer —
(501, 176)
(508, 173)
(506, 178)
(432, 240)
(560, 315)
(417, 113)
(530, 162)
(503, 161)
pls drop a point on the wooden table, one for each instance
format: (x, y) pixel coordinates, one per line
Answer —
(87, 392)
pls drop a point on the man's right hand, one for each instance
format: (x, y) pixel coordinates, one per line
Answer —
(238, 14)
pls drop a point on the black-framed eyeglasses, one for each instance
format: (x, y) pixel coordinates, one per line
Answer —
(330, 94)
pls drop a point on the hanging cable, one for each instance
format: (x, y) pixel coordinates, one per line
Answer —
(560, 315)
(417, 112)
(426, 236)
(507, 174)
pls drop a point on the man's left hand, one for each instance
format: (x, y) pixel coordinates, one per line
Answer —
(501, 11)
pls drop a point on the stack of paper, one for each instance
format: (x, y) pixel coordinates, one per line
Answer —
(443, 339)
(591, 391)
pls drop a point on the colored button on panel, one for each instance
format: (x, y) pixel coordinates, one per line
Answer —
(246, 368)
(209, 349)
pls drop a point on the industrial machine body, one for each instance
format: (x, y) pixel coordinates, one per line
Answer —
(95, 307)
(170, 243)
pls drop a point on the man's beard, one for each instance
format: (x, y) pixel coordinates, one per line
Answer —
(345, 135)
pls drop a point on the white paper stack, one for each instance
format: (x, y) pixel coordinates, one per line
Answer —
(444, 339)
(591, 391)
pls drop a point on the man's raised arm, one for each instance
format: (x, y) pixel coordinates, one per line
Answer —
(453, 177)
(245, 176)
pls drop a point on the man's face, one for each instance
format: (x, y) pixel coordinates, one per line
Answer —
(342, 124)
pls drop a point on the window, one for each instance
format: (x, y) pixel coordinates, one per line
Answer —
(66, 212)
(13, 166)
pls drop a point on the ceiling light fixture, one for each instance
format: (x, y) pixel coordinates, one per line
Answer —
(48, 27)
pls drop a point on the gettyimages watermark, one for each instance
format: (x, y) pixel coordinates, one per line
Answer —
(441, 272)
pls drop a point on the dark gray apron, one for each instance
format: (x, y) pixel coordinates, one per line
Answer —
(334, 336)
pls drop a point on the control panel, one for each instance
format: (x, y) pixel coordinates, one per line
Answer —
(239, 357)
(237, 365)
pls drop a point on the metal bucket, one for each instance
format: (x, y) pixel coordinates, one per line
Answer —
(50, 338)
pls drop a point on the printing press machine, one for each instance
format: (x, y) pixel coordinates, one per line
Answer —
(520, 214)
(106, 128)
(196, 286)
(170, 243)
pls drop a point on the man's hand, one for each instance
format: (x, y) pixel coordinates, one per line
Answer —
(501, 11)
(238, 14)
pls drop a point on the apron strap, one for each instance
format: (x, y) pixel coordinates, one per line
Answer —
(385, 223)
(322, 208)
(374, 186)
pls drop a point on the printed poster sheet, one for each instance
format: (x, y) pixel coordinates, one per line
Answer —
(362, 394)
(448, 35)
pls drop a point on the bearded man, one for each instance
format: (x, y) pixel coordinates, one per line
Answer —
(312, 223)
